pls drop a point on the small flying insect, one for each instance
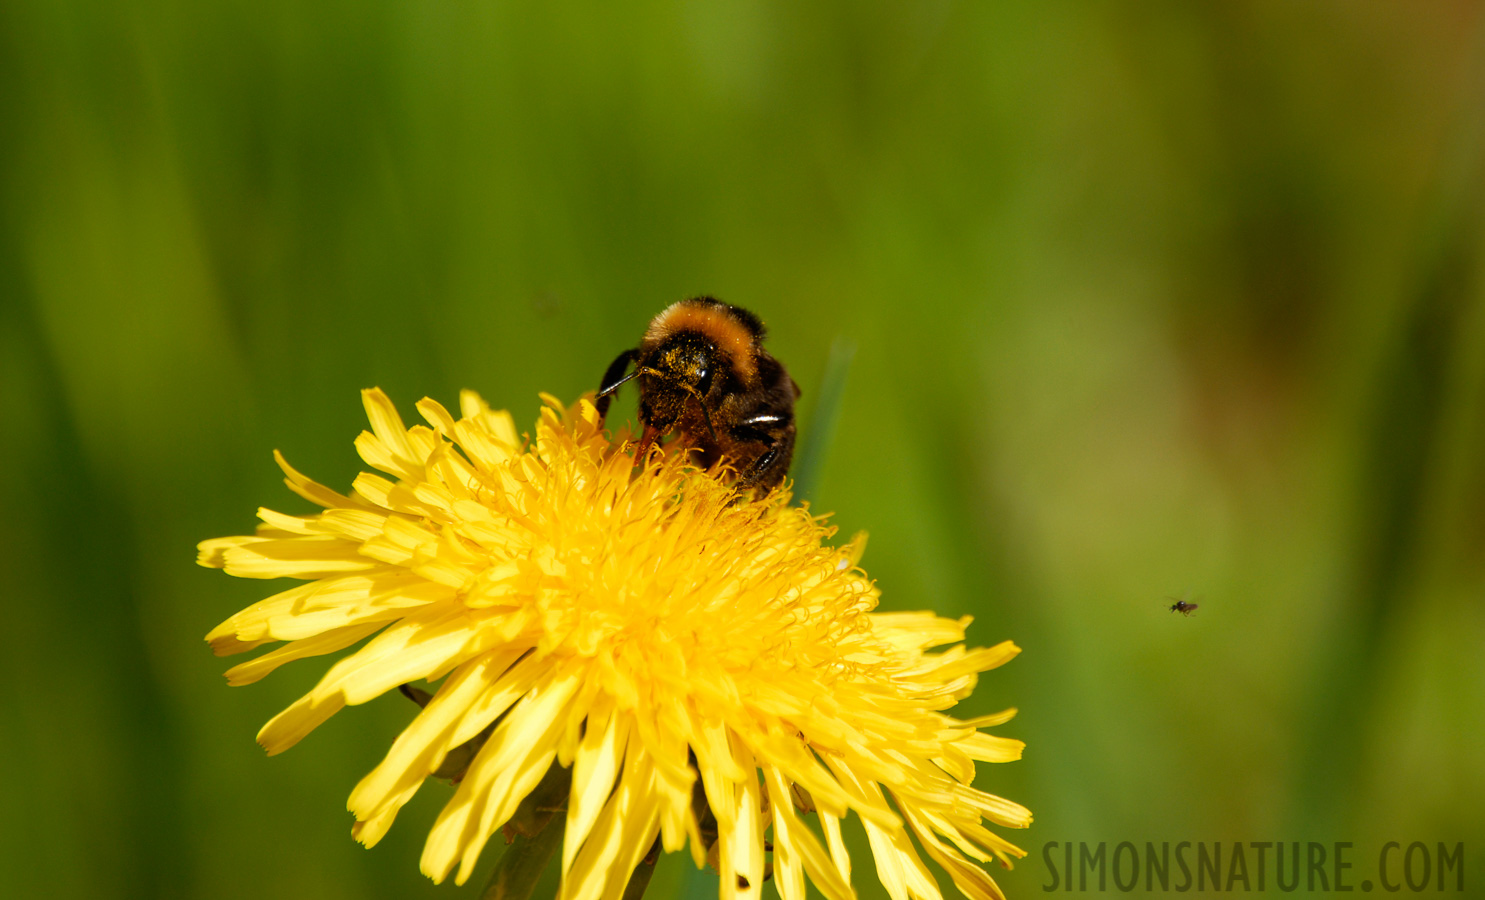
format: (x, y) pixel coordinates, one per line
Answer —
(1184, 608)
(703, 374)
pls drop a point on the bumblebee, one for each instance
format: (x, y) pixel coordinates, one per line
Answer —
(703, 374)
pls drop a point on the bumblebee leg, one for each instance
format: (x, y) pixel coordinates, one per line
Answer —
(612, 379)
(769, 469)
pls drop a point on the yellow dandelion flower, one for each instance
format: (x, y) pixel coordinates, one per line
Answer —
(704, 666)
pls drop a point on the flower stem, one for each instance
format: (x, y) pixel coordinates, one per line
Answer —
(534, 838)
(518, 871)
(640, 878)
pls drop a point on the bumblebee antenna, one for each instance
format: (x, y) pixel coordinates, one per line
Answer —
(614, 388)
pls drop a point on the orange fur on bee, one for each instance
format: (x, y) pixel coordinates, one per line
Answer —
(717, 323)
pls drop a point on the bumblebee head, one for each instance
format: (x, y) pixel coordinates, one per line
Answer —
(687, 361)
(680, 368)
(699, 349)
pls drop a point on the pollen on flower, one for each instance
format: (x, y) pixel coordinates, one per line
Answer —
(650, 630)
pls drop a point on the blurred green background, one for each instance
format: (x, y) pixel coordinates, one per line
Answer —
(1146, 301)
